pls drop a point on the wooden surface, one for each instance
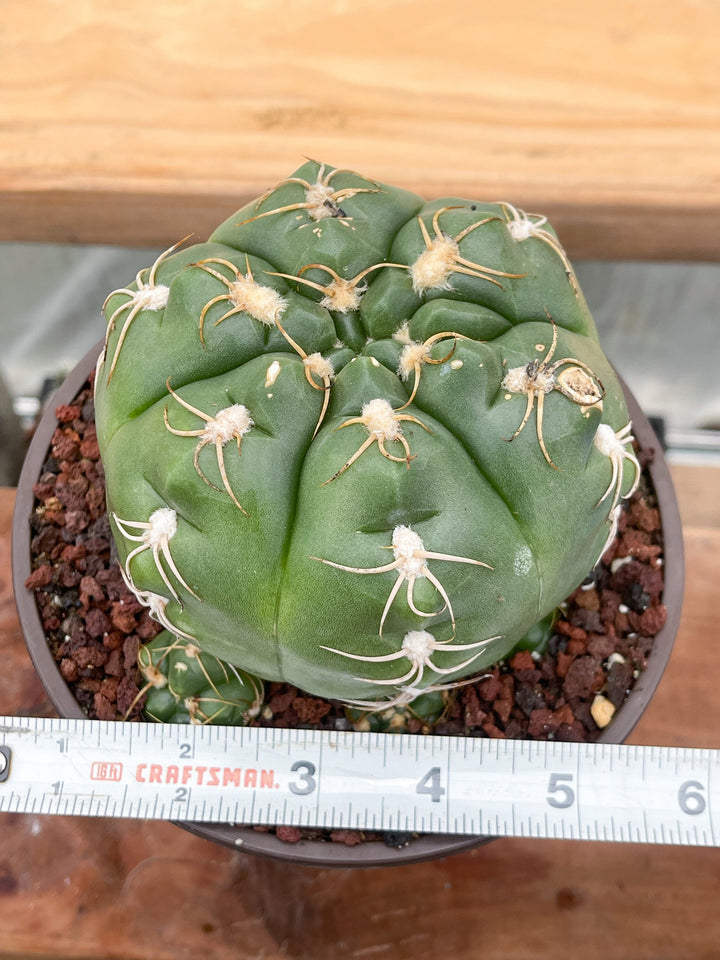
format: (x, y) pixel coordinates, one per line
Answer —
(76, 889)
(137, 122)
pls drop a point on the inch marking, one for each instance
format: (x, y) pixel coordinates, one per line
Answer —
(340, 779)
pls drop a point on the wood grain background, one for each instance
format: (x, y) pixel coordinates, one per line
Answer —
(132, 123)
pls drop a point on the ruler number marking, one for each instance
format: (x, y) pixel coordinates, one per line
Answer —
(430, 784)
(4, 763)
(683, 815)
(560, 795)
(306, 771)
(690, 799)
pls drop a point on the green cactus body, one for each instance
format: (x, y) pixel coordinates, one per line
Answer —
(540, 634)
(427, 710)
(357, 442)
(185, 685)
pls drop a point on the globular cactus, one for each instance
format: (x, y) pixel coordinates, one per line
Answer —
(425, 710)
(186, 685)
(360, 442)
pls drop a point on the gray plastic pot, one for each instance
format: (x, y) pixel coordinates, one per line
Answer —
(318, 853)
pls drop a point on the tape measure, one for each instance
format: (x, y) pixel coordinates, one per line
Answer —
(367, 781)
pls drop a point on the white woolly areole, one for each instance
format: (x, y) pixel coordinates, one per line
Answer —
(262, 303)
(402, 334)
(521, 229)
(606, 441)
(432, 269)
(151, 298)
(613, 446)
(319, 365)
(234, 421)
(380, 419)
(155, 677)
(525, 228)
(409, 550)
(418, 645)
(518, 380)
(162, 526)
(412, 355)
(319, 199)
(342, 296)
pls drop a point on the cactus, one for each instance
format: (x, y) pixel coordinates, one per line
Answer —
(359, 442)
(539, 635)
(185, 685)
(426, 710)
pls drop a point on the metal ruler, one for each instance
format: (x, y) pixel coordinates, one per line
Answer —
(399, 782)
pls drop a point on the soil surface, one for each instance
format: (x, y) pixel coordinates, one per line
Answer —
(95, 625)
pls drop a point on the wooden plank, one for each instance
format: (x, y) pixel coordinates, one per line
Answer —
(134, 123)
(698, 492)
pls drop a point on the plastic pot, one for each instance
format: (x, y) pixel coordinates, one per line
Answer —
(374, 853)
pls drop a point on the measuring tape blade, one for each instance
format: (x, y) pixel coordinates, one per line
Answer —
(365, 781)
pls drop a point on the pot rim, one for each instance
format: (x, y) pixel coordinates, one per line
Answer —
(313, 852)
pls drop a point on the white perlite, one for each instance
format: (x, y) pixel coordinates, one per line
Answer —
(602, 710)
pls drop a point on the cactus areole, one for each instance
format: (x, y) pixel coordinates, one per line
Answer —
(360, 442)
